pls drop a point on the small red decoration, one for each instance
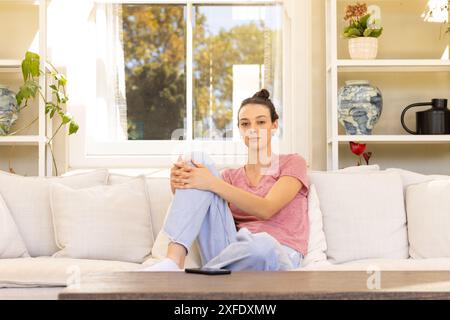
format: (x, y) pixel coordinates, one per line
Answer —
(358, 149)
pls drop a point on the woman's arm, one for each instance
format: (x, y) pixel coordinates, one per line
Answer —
(281, 193)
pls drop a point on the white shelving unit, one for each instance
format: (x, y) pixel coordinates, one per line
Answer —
(20, 140)
(8, 65)
(392, 65)
(395, 138)
(336, 66)
(14, 66)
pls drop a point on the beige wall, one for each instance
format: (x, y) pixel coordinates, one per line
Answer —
(318, 110)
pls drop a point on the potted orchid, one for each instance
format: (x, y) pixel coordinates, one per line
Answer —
(363, 30)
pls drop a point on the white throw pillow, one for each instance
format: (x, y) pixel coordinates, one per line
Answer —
(428, 211)
(410, 177)
(359, 169)
(363, 215)
(11, 243)
(353, 169)
(28, 201)
(103, 222)
(317, 244)
(159, 191)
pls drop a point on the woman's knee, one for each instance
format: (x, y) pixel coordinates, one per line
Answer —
(203, 158)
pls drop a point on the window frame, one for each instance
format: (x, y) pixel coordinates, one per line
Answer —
(295, 45)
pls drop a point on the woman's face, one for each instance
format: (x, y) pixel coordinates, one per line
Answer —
(256, 126)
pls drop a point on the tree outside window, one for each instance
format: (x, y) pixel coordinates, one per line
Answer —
(236, 50)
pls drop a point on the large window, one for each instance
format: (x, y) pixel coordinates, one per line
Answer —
(236, 51)
(154, 41)
(180, 71)
(147, 78)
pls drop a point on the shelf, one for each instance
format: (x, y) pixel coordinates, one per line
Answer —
(393, 65)
(394, 138)
(19, 140)
(10, 65)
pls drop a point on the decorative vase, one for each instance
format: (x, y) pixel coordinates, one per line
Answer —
(359, 107)
(363, 47)
(9, 110)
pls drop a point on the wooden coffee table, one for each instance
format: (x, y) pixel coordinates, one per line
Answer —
(263, 285)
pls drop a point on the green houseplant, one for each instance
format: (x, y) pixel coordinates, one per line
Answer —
(30, 89)
(363, 31)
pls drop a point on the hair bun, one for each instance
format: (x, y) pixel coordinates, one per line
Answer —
(263, 94)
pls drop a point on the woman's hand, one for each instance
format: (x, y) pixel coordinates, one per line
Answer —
(198, 177)
(176, 172)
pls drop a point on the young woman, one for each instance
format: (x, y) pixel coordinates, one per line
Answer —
(251, 218)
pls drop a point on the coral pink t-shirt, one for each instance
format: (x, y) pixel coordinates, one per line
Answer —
(290, 226)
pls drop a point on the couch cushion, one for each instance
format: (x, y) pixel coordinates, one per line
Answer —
(317, 244)
(11, 243)
(437, 264)
(47, 272)
(28, 201)
(159, 192)
(363, 215)
(110, 222)
(428, 211)
(410, 177)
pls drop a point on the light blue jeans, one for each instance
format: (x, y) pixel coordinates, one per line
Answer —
(206, 216)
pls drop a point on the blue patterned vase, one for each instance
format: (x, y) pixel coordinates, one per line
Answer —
(9, 110)
(359, 107)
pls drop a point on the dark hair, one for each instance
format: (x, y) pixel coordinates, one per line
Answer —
(262, 98)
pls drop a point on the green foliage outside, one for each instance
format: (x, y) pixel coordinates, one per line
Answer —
(154, 38)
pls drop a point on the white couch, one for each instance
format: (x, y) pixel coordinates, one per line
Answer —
(334, 244)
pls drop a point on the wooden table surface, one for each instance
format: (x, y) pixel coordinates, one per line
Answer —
(263, 285)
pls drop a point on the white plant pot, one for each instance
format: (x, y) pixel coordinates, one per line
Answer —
(363, 47)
